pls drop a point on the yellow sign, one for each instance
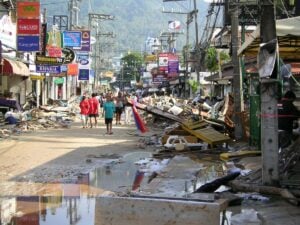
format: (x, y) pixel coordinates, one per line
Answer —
(109, 74)
(151, 58)
(36, 77)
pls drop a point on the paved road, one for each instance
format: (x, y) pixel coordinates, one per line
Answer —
(59, 154)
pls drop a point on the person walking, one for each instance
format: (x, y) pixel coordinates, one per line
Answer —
(84, 111)
(128, 109)
(119, 107)
(93, 110)
(109, 110)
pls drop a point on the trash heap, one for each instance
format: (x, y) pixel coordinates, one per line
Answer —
(57, 115)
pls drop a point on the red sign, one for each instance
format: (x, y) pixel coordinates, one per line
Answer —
(54, 51)
(73, 69)
(28, 26)
(28, 9)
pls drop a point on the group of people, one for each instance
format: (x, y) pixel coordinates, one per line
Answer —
(108, 106)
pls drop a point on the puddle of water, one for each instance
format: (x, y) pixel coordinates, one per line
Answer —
(47, 210)
(68, 204)
(121, 176)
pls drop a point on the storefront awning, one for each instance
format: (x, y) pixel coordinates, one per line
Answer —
(13, 67)
(288, 35)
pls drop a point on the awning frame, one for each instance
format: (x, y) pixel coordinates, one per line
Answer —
(13, 67)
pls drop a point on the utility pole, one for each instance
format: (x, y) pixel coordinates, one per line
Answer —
(238, 131)
(98, 18)
(189, 20)
(195, 12)
(269, 92)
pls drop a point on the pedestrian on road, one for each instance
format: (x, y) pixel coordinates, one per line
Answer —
(128, 110)
(84, 111)
(119, 107)
(93, 110)
(109, 109)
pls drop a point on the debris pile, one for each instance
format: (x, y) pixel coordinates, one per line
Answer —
(58, 115)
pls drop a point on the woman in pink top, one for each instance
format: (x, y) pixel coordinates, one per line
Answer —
(84, 111)
(94, 109)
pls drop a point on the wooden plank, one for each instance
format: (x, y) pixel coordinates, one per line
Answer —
(208, 135)
(195, 125)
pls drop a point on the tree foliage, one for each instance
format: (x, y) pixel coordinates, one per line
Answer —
(132, 64)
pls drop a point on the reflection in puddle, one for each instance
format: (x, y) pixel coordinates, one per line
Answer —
(37, 210)
(66, 204)
(119, 176)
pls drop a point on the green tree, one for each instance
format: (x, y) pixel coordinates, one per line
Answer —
(132, 64)
(211, 59)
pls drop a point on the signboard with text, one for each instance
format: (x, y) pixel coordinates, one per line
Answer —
(28, 9)
(72, 39)
(48, 69)
(173, 65)
(85, 41)
(83, 74)
(28, 43)
(28, 26)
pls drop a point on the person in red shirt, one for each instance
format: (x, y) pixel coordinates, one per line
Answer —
(84, 111)
(94, 110)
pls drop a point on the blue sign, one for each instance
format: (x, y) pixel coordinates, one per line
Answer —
(72, 39)
(92, 73)
(28, 43)
(84, 74)
(48, 69)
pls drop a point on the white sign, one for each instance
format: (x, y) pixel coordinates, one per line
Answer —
(8, 32)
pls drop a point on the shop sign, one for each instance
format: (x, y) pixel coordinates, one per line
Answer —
(28, 43)
(72, 69)
(163, 61)
(39, 59)
(28, 9)
(59, 80)
(72, 39)
(36, 77)
(173, 65)
(54, 51)
(54, 38)
(8, 32)
(86, 41)
(84, 74)
(48, 69)
(28, 26)
(69, 55)
(159, 78)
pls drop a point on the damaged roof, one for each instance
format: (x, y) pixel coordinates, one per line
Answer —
(288, 34)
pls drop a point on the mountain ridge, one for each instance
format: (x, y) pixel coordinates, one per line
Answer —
(134, 20)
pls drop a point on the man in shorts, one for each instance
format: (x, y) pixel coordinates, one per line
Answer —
(94, 110)
(109, 110)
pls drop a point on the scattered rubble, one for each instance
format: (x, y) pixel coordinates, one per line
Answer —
(15, 122)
